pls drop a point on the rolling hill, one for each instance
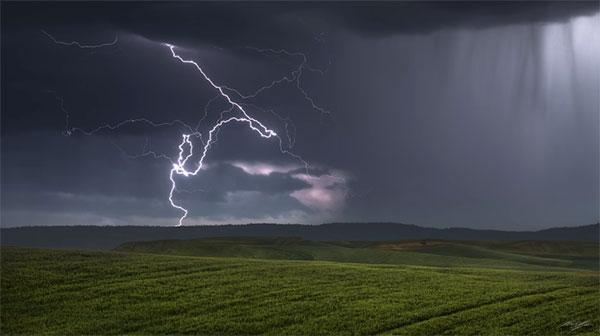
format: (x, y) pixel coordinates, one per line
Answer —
(109, 237)
(441, 253)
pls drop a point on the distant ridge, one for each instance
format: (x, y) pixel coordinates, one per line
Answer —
(109, 237)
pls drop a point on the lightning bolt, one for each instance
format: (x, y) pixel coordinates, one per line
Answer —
(79, 45)
(254, 124)
(186, 146)
(293, 77)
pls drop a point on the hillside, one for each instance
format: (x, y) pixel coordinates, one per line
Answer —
(48, 291)
(109, 237)
(441, 253)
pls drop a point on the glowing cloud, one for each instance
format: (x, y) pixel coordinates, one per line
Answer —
(327, 193)
(261, 168)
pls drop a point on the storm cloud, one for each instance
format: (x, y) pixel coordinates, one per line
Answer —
(478, 114)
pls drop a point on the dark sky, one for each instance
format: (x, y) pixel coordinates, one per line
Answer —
(474, 114)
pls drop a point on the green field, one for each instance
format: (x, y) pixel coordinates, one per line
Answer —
(47, 291)
(523, 255)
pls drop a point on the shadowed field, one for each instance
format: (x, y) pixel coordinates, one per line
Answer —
(48, 291)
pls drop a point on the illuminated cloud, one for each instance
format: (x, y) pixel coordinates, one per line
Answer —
(262, 168)
(327, 192)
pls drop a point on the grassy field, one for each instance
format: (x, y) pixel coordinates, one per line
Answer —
(523, 255)
(48, 291)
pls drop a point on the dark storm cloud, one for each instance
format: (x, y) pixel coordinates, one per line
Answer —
(275, 23)
(124, 85)
(180, 22)
(231, 25)
(423, 17)
(443, 113)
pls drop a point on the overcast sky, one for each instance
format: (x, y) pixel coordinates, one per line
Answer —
(473, 114)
